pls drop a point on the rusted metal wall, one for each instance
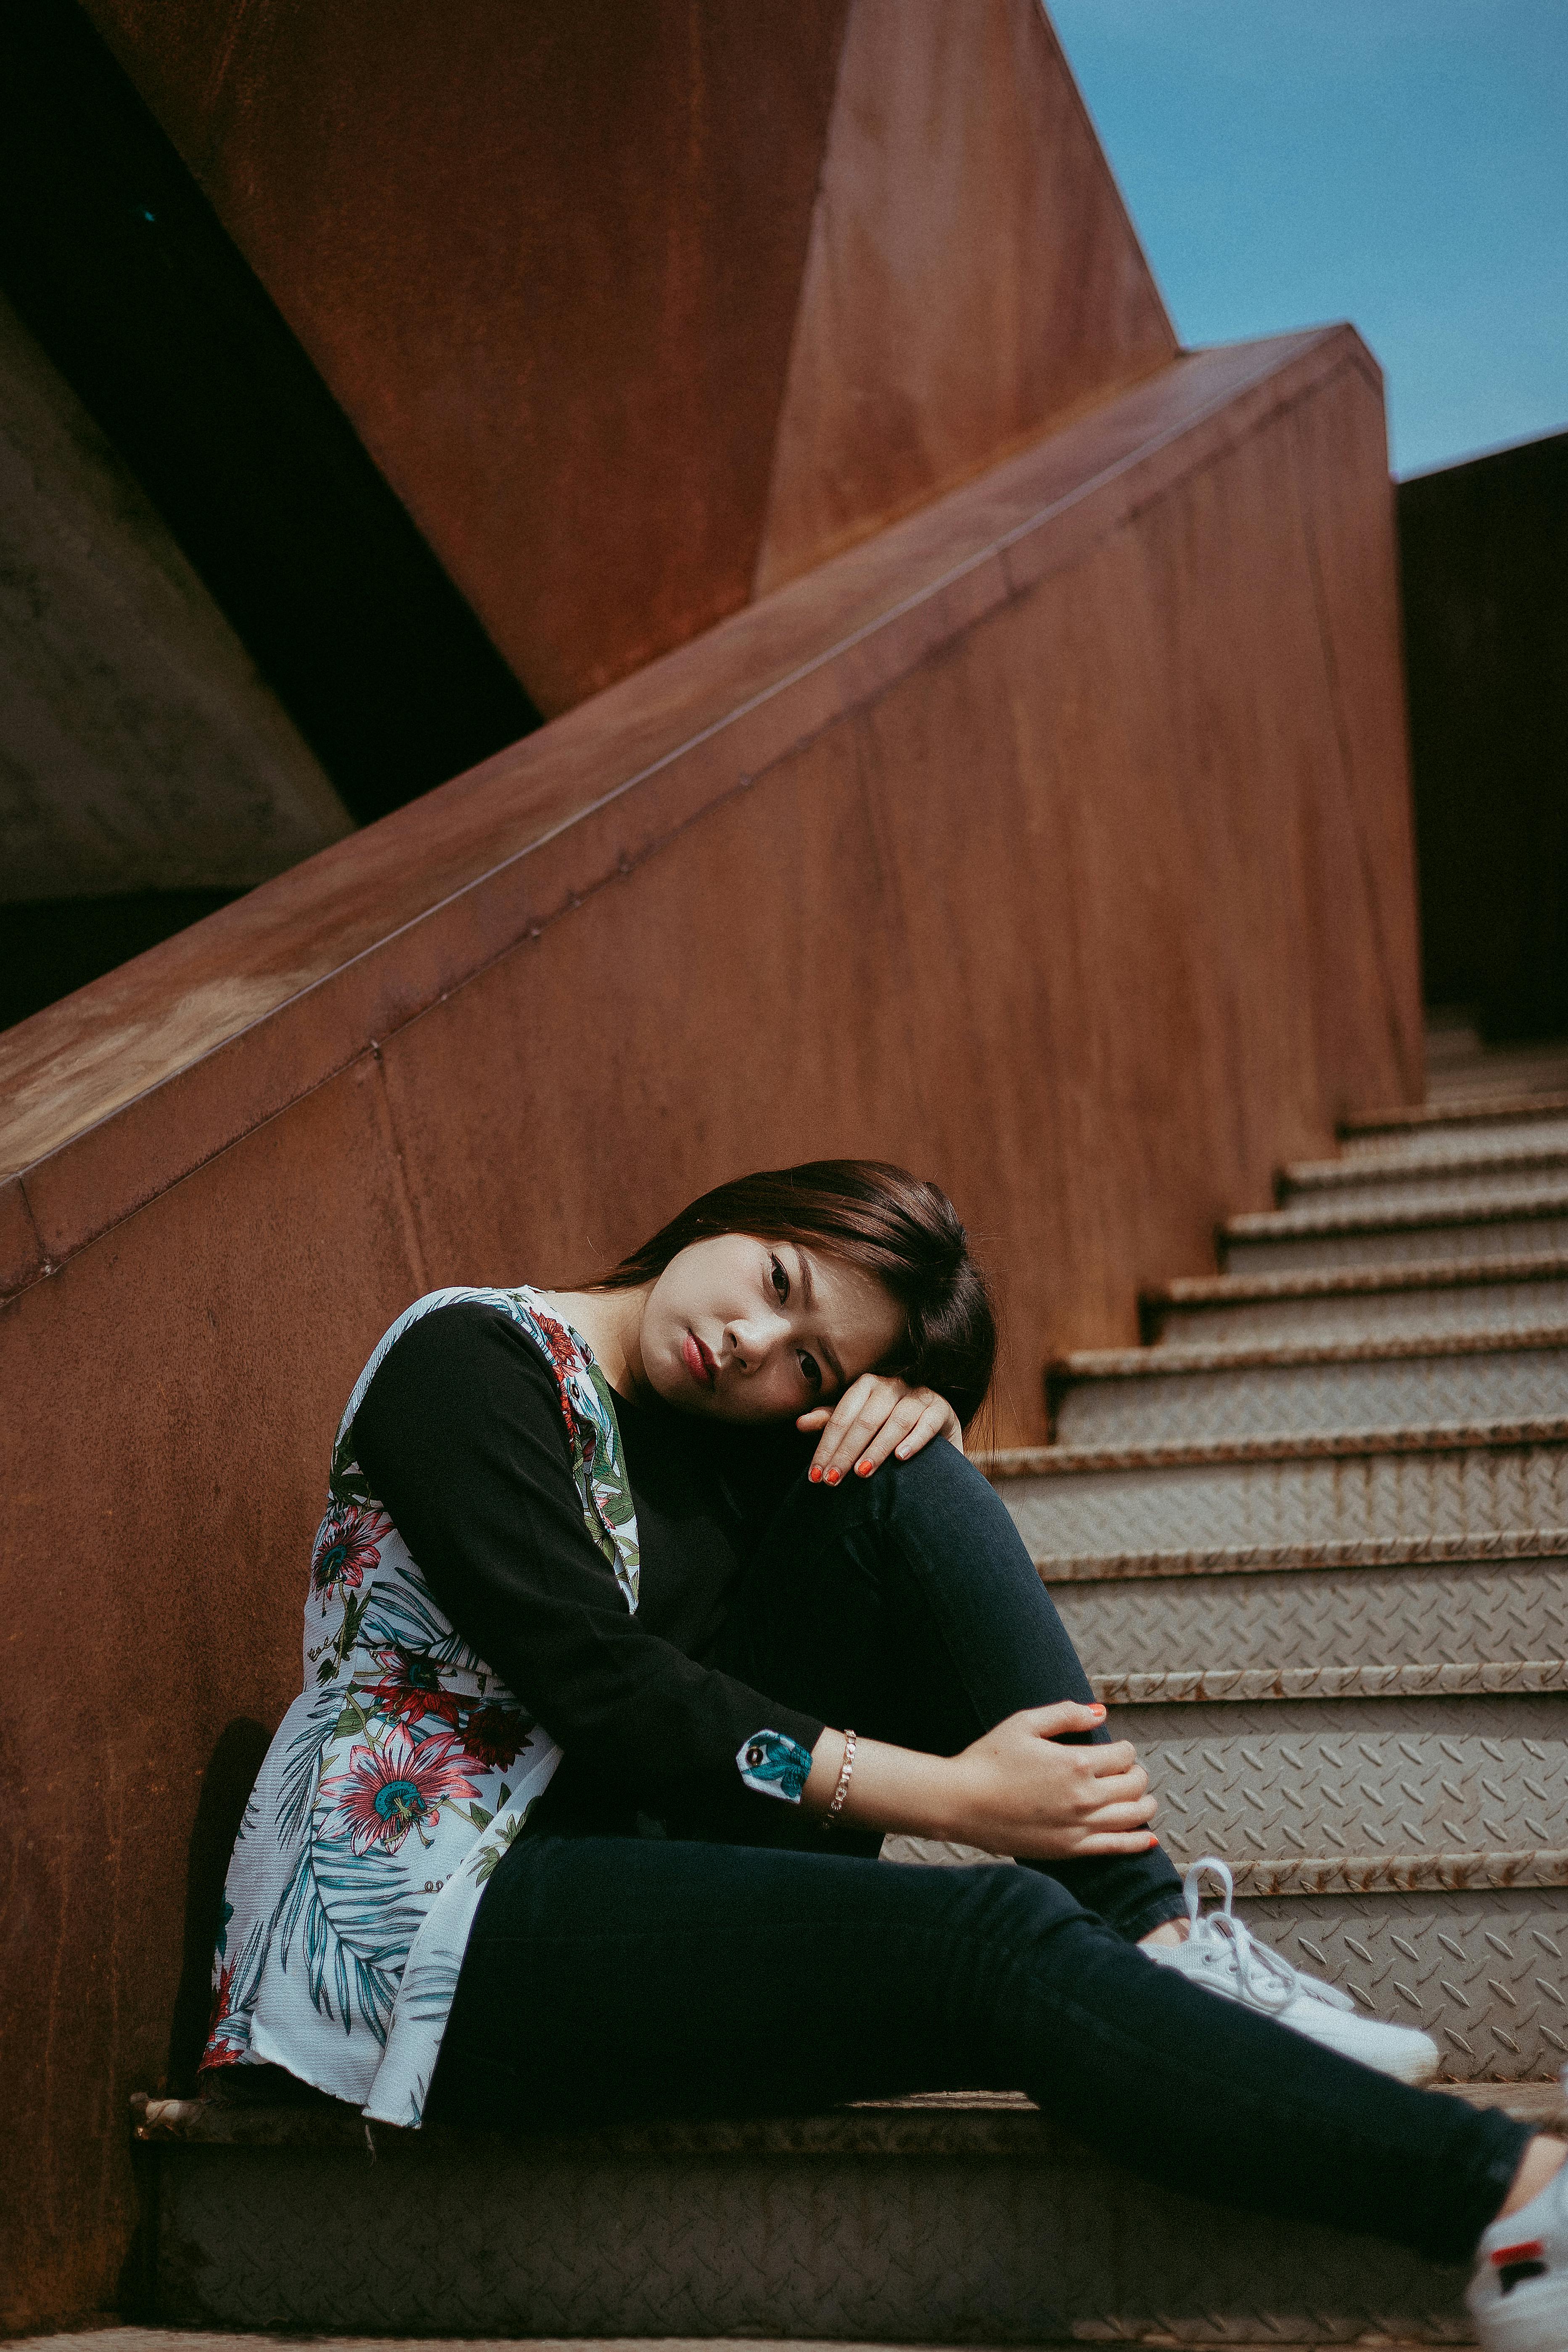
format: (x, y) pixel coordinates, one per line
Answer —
(1054, 840)
(552, 260)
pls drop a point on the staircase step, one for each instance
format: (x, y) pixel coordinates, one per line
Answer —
(1364, 1785)
(1371, 1181)
(1078, 1505)
(1486, 1123)
(948, 2220)
(1153, 1395)
(1431, 1301)
(1452, 1229)
(1391, 1608)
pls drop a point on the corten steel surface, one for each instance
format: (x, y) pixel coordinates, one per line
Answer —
(971, 272)
(554, 263)
(869, 868)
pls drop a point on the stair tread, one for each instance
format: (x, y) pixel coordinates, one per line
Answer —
(1476, 1547)
(1253, 1685)
(1457, 1208)
(1174, 1358)
(1009, 1463)
(936, 2123)
(1364, 1168)
(1478, 1111)
(1355, 1281)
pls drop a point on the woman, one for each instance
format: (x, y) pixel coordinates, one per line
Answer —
(570, 1823)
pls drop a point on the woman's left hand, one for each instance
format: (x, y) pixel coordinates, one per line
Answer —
(876, 1416)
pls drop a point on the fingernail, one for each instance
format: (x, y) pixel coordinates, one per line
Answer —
(814, 1474)
(903, 1452)
(863, 1469)
(834, 1476)
(1096, 1708)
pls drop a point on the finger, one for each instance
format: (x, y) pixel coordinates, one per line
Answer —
(837, 1419)
(896, 1433)
(841, 1447)
(1118, 1841)
(818, 1418)
(1107, 1757)
(932, 1423)
(1067, 1714)
(1125, 1789)
(1136, 1813)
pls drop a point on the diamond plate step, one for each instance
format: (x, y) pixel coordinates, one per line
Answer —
(1431, 1301)
(1277, 1241)
(1155, 1395)
(1371, 1181)
(1427, 1609)
(1442, 1129)
(942, 2220)
(1075, 1506)
(1378, 1778)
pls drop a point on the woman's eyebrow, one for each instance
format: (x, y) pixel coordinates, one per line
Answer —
(808, 1297)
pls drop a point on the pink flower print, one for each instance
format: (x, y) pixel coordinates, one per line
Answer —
(410, 1687)
(400, 1786)
(348, 1543)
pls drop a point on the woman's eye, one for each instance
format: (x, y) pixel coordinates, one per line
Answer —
(812, 1370)
(779, 1280)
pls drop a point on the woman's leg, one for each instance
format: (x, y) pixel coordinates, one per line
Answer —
(620, 1977)
(906, 1605)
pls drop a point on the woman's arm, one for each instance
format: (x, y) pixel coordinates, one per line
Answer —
(461, 1437)
(1016, 1790)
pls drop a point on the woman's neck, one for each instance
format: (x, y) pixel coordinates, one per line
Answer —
(611, 1322)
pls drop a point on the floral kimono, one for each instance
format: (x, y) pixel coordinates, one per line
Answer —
(395, 1783)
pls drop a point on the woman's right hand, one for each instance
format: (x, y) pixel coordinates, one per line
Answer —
(1019, 1790)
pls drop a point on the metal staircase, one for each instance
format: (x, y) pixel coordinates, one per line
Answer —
(1312, 1541)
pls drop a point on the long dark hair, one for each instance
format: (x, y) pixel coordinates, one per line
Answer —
(872, 1216)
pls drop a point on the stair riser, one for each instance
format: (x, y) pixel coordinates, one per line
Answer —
(1492, 2005)
(1460, 1136)
(1411, 1189)
(1356, 1617)
(1298, 1399)
(1367, 1776)
(1387, 1315)
(978, 2250)
(1453, 1244)
(1333, 1500)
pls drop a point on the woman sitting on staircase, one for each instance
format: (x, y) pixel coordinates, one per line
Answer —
(569, 1824)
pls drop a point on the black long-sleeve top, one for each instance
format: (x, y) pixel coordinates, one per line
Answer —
(463, 1441)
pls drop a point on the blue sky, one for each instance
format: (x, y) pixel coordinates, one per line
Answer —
(1403, 163)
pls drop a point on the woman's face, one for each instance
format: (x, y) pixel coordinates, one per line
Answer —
(752, 1331)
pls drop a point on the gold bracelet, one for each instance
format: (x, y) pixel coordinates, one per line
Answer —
(836, 1807)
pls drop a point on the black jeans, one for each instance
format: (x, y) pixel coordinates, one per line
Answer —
(620, 1977)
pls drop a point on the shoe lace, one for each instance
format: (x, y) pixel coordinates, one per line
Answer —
(1219, 1939)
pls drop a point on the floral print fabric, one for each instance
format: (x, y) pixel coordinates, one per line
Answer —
(397, 1781)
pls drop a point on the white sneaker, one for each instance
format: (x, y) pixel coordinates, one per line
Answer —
(1227, 1958)
(1517, 2293)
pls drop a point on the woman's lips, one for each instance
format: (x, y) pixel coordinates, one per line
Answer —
(699, 1360)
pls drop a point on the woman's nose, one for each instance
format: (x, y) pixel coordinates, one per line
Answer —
(751, 1340)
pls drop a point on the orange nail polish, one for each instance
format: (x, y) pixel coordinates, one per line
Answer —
(862, 1469)
(814, 1474)
(833, 1477)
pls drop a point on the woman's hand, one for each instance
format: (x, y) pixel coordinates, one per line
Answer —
(876, 1416)
(1019, 1792)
